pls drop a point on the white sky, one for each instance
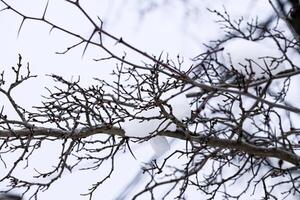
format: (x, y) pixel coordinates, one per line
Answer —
(164, 29)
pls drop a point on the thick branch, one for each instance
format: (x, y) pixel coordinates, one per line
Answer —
(57, 133)
(204, 140)
(240, 146)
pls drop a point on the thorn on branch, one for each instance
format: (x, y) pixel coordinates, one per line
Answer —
(120, 41)
(6, 8)
(20, 27)
(44, 14)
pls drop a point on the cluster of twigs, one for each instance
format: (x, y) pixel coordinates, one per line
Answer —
(227, 141)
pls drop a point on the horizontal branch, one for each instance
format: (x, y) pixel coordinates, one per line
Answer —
(240, 146)
(201, 139)
(58, 133)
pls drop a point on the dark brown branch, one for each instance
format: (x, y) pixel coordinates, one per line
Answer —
(203, 140)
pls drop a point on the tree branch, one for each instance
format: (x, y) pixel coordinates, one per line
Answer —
(214, 142)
